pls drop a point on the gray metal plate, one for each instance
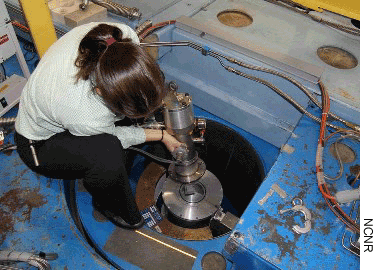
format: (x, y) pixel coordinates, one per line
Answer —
(193, 211)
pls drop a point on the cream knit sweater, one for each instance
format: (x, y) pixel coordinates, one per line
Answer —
(53, 102)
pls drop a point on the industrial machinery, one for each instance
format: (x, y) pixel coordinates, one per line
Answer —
(264, 96)
(10, 86)
(190, 192)
(187, 193)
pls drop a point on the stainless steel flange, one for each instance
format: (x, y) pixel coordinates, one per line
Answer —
(187, 174)
(194, 201)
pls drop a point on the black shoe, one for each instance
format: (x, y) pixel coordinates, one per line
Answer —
(117, 220)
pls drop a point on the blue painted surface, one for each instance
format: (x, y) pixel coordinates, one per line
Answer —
(101, 231)
(35, 217)
(249, 105)
(268, 240)
(268, 234)
(243, 102)
(12, 65)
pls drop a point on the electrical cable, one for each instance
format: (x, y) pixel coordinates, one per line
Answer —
(356, 179)
(26, 257)
(264, 82)
(285, 96)
(294, 82)
(7, 267)
(279, 74)
(7, 120)
(70, 194)
(322, 186)
(159, 159)
(337, 153)
(337, 210)
(296, 7)
(4, 75)
(349, 30)
(340, 173)
(8, 147)
(20, 26)
(143, 26)
(148, 31)
(29, 48)
(128, 12)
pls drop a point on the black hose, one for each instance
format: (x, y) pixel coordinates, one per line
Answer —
(70, 194)
(8, 147)
(162, 160)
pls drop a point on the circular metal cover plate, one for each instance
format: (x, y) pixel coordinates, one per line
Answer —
(145, 193)
(212, 196)
(346, 154)
(337, 57)
(214, 261)
(234, 18)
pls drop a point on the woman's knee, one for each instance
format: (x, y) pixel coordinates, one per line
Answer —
(108, 152)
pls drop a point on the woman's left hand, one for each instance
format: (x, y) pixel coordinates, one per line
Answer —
(170, 142)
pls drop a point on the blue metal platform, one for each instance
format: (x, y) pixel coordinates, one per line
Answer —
(37, 217)
(264, 233)
(34, 213)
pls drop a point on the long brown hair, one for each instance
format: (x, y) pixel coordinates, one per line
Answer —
(128, 79)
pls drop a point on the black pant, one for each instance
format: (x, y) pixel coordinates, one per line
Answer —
(99, 160)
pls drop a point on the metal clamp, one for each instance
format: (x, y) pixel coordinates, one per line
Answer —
(299, 207)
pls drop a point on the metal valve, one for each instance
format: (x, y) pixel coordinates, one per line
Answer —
(200, 130)
(180, 152)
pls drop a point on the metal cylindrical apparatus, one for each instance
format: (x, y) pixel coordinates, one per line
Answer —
(190, 193)
(180, 122)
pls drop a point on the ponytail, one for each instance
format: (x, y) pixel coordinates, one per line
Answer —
(92, 47)
(123, 74)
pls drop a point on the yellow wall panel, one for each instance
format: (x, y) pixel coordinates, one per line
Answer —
(37, 14)
(348, 8)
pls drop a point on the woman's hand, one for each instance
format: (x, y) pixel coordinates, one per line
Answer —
(170, 142)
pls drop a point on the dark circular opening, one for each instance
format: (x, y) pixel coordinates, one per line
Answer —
(235, 163)
(356, 23)
(231, 158)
